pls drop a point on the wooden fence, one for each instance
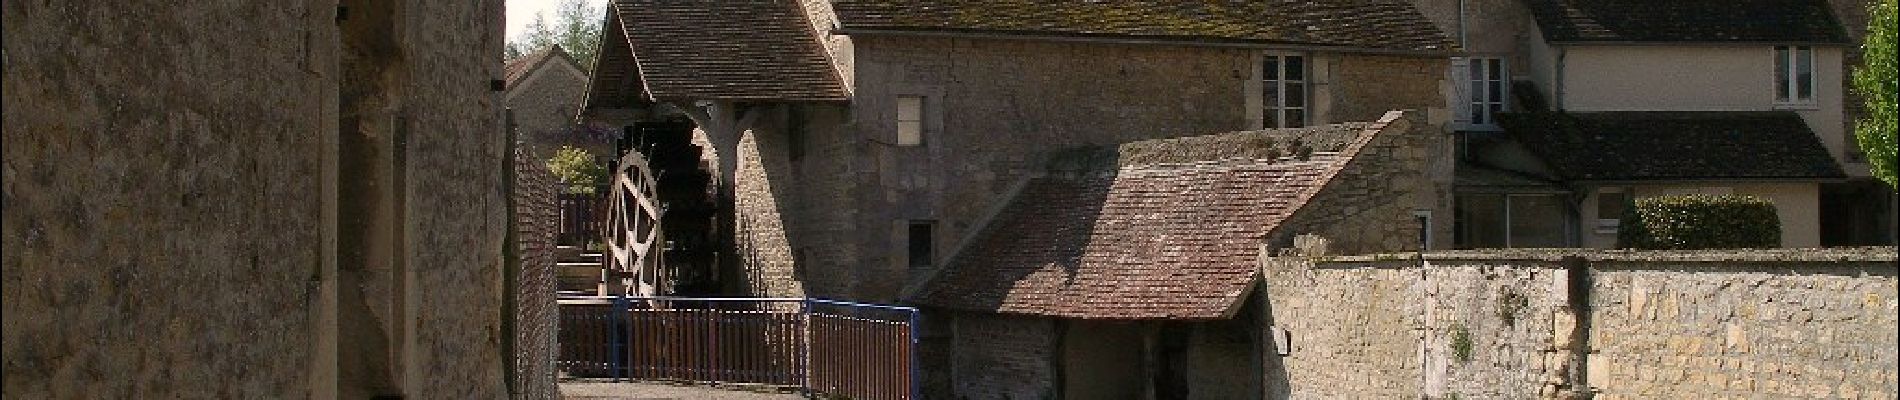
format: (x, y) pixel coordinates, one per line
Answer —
(582, 217)
(862, 351)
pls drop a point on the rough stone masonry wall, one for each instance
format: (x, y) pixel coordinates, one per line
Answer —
(1369, 205)
(537, 222)
(545, 106)
(1004, 357)
(171, 175)
(1811, 328)
(1356, 331)
(1797, 323)
(793, 176)
(163, 206)
(990, 120)
(455, 212)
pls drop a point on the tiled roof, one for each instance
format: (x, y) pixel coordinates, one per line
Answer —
(518, 68)
(727, 50)
(1673, 145)
(1178, 239)
(1807, 21)
(1475, 178)
(1374, 24)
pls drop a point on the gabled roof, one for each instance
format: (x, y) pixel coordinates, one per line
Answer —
(1673, 145)
(517, 69)
(1367, 24)
(1171, 229)
(718, 50)
(1695, 21)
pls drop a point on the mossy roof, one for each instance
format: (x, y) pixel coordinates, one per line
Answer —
(1367, 24)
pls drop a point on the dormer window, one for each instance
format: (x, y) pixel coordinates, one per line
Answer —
(1794, 75)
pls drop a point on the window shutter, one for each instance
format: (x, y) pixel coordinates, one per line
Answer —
(1460, 79)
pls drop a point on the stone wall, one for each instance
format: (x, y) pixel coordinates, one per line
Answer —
(454, 216)
(1004, 357)
(161, 237)
(545, 105)
(537, 221)
(1808, 328)
(1371, 204)
(180, 213)
(989, 124)
(1502, 324)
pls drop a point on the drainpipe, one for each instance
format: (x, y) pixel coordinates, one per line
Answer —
(1557, 103)
(1461, 26)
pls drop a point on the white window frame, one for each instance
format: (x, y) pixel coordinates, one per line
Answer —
(1787, 75)
(910, 120)
(1480, 78)
(1273, 111)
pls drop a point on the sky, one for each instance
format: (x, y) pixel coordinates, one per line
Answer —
(520, 12)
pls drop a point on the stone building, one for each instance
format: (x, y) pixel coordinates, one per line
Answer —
(860, 144)
(544, 94)
(1572, 108)
(1134, 271)
(298, 199)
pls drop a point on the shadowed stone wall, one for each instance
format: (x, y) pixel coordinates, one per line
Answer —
(188, 209)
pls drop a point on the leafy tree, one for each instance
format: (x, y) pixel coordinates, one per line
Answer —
(577, 170)
(576, 27)
(537, 37)
(1875, 80)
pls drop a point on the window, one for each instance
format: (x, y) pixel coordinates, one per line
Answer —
(1611, 203)
(910, 120)
(1509, 221)
(1794, 74)
(921, 243)
(1283, 91)
(1489, 85)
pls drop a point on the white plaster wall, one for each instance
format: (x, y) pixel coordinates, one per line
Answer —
(1698, 78)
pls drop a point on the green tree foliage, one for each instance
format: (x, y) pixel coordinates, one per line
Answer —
(1700, 222)
(577, 170)
(1875, 81)
(576, 27)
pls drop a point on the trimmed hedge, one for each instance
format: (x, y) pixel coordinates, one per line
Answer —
(1699, 222)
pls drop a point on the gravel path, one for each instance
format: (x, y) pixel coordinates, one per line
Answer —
(659, 391)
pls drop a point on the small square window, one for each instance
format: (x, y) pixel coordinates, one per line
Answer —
(910, 120)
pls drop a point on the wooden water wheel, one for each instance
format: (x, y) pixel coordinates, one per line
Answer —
(634, 240)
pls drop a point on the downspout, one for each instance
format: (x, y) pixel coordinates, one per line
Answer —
(1558, 86)
(1461, 26)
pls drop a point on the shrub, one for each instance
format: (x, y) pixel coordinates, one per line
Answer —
(1461, 343)
(1700, 222)
(577, 170)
